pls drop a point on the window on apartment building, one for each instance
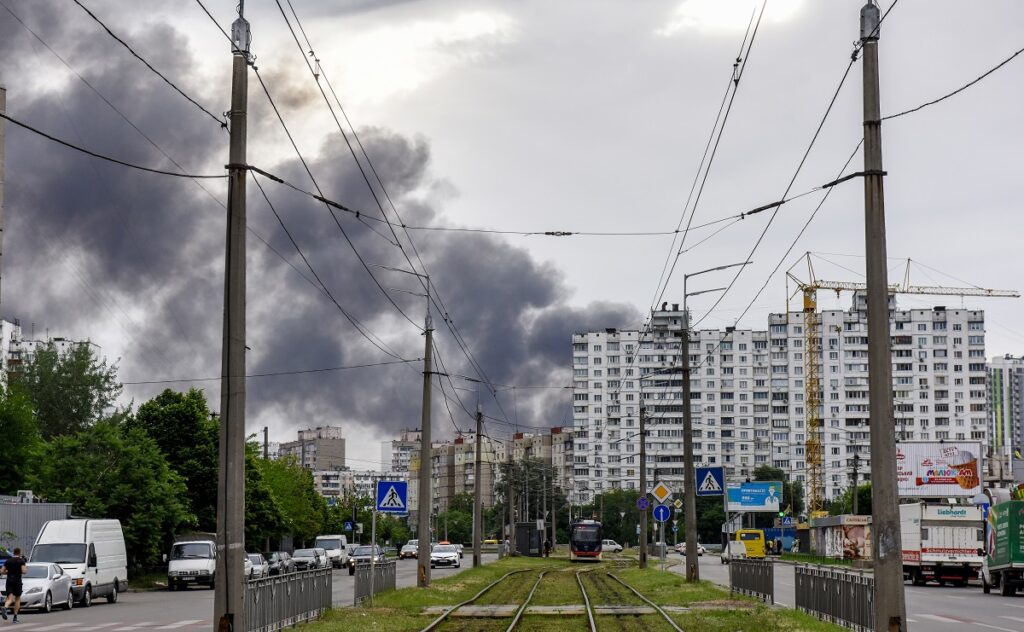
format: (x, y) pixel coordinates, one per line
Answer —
(976, 325)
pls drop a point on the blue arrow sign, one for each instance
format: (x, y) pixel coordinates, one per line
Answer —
(710, 481)
(662, 513)
(642, 503)
(392, 497)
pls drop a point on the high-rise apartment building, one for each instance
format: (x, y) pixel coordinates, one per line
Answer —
(320, 448)
(396, 454)
(748, 394)
(1006, 409)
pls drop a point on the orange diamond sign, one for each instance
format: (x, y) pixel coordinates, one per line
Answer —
(661, 492)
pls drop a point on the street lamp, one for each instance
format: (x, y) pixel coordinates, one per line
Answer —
(689, 484)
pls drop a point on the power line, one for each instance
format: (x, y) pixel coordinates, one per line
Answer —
(958, 90)
(94, 154)
(220, 121)
(277, 373)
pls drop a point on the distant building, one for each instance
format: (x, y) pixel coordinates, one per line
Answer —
(320, 448)
(396, 454)
(1006, 414)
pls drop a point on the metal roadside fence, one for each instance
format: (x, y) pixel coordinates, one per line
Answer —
(383, 575)
(835, 595)
(273, 603)
(753, 577)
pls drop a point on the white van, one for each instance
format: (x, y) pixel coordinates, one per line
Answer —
(193, 561)
(90, 551)
(336, 547)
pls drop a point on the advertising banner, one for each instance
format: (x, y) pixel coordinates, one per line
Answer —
(754, 496)
(927, 469)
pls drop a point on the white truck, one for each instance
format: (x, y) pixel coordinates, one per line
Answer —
(193, 562)
(941, 543)
(92, 552)
(336, 547)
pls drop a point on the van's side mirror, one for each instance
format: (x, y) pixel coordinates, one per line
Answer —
(165, 557)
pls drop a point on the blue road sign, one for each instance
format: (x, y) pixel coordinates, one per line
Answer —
(348, 525)
(674, 528)
(662, 513)
(642, 503)
(755, 496)
(332, 502)
(710, 481)
(787, 521)
(392, 497)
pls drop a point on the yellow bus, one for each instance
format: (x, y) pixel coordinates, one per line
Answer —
(753, 542)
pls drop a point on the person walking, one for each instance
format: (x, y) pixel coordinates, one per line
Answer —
(547, 547)
(505, 548)
(14, 568)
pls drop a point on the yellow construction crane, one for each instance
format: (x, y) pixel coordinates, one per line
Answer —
(814, 456)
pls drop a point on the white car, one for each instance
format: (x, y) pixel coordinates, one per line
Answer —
(611, 546)
(43, 586)
(247, 567)
(445, 555)
(681, 549)
(260, 568)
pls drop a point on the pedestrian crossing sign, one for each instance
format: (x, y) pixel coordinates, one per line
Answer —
(392, 497)
(710, 481)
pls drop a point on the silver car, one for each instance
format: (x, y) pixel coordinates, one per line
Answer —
(43, 586)
(260, 567)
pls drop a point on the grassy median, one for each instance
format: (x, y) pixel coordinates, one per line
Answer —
(711, 608)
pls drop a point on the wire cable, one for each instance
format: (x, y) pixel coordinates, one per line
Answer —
(957, 91)
(277, 373)
(94, 154)
(220, 121)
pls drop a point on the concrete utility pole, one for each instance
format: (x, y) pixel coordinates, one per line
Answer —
(3, 158)
(266, 443)
(856, 481)
(889, 602)
(478, 520)
(643, 485)
(423, 529)
(689, 484)
(229, 604)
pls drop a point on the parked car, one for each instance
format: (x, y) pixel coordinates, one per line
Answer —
(92, 552)
(459, 547)
(192, 561)
(611, 546)
(44, 586)
(247, 567)
(411, 550)
(307, 559)
(445, 555)
(260, 568)
(280, 563)
(363, 555)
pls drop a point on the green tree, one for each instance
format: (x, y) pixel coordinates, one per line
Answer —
(454, 526)
(264, 521)
(181, 425)
(844, 504)
(22, 443)
(68, 392)
(110, 471)
(292, 489)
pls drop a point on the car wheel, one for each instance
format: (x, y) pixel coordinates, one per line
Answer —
(86, 599)
(69, 603)
(112, 597)
(48, 602)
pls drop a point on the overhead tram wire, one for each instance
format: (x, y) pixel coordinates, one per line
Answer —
(738, 71)
(800, 166)
(433, 296)
(220, 121)
(330, 208)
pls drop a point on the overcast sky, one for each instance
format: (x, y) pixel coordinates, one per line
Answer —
(528, 116)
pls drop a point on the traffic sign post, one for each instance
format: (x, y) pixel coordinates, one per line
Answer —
(642, 503)
(661, 492)
(348, 525)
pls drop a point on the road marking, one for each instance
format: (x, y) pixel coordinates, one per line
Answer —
(179, 624)
(942, 619)
(909, 620)
(100, 626)
(55, 626)
(136, 626)
(1020, 619)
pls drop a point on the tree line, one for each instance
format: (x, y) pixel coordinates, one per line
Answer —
(154, 468)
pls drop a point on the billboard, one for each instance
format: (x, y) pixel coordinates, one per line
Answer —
(754, 496)
(938, 469)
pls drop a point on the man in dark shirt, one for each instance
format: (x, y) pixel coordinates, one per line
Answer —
(14, 568)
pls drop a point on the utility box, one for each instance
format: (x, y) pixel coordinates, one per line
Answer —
(529, 539)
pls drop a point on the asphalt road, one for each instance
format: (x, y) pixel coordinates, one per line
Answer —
(930, 608)
(185, 611)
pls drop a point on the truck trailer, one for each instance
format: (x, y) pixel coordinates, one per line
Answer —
(1004, 548)
(942, 543)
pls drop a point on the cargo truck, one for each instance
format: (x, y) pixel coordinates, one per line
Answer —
(1004, 548)
(942, 543)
